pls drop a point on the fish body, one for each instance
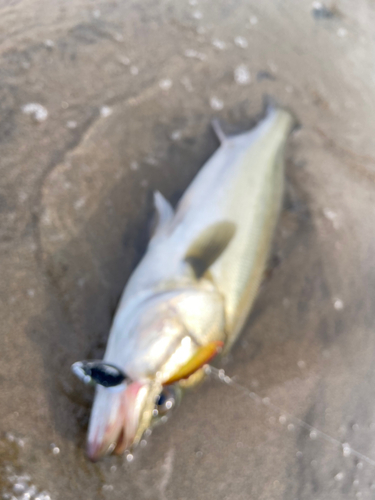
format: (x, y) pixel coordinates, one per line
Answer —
(193, 290)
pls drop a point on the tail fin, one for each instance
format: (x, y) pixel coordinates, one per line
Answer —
(271, 105)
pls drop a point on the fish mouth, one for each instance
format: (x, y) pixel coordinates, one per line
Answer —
(115, 419)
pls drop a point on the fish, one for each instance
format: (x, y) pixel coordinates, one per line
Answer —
(190, 295)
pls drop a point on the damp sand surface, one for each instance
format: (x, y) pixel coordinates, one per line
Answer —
(101, 103)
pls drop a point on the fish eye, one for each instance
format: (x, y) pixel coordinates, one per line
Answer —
(165, 402)
(98, 372)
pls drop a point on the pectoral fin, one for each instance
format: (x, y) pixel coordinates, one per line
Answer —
(201, 357)
(209, 245)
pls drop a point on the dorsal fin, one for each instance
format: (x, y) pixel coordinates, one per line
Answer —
(219, 132)
(209, 245)
(164, 212)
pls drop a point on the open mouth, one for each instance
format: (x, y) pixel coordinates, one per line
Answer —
(120, 417)
(115, 419)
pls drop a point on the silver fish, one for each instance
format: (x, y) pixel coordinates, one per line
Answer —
(192, 291)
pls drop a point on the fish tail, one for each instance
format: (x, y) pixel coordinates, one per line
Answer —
(271, 106)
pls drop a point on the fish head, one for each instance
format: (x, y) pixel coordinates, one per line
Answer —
(122, 414)
(155, 349)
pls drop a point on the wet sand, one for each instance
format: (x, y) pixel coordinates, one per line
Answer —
(126, 92)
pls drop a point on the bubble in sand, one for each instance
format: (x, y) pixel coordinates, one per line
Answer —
(19, 488)
(342, 32)
(242, 75)
(165, 84)
(346, 450)
(43, 496)
(176, 135)
(339, 476)
(330, 214)
(38, 112)
(150, 160)
(338, 304)
(49, 43)
(105, 111)
(216, 103)
(124, 60)
(194, 54)
(29, 493)
(241, 42)
(313, 434)
(79, 203)
(218, 44)
(197, 14)
(320, 11)
(10, 437)
(107, 487)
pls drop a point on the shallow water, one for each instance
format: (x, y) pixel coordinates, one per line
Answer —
(104, 102)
